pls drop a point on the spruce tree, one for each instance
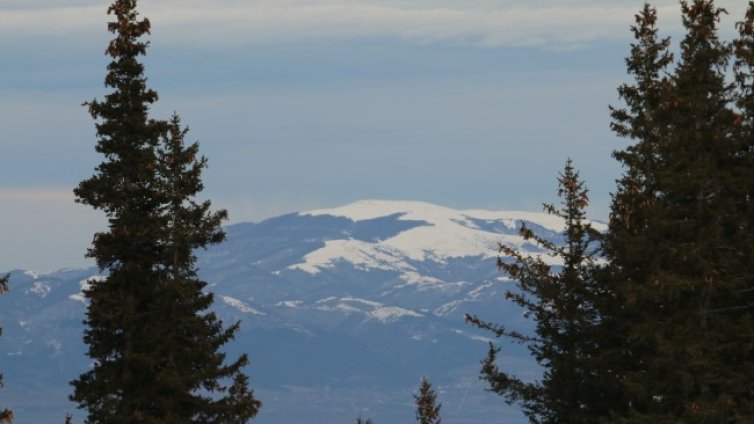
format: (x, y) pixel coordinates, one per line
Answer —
(644, 120)
(154, 345)
(6, 415)
(565, 306)
(744, 71)
(631, 243)
(682, 271)
(427, 408)
(194, 337)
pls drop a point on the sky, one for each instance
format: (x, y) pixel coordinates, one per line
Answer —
(303, 104)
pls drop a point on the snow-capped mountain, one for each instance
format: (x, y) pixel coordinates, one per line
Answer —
(342, 311)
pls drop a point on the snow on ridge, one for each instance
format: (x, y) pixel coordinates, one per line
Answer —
(363, 255)
(473, 336)
(39, 288)
(451, 234)
(370, 309)
(412, 277)
(235, 303)
(85, 284)
(363, 210)
(293, 304)
(448, 308)
(392, 313)
(362, 301)
(35, 274)
(327, 299)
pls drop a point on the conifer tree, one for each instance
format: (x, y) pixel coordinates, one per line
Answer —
(6, 415)
(744, 71)
(680, 272)
(565, 306)
(427, 408)
(644, 120)
(154, 345)
(194, 336)
(630, 244)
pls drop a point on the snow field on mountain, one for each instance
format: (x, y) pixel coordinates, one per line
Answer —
(448, 233)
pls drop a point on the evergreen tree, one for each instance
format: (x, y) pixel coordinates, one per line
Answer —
(681, 272)
(644, 120)
(631, 243)
(154, 346)
(744, 71)
(194, 337)
(6, 415)
(427, 408)
(565, 307)
(364, 421)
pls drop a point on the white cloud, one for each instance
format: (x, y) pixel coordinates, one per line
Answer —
(487, 23)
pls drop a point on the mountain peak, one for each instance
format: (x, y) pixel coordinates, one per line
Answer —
(363, 210)
(436, 233)
(433, 214)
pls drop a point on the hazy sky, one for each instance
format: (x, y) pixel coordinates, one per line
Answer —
(312, 103)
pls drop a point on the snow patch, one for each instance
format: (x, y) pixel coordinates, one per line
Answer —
(450, 234)
(371, 309)
(482, 339)
(474, 336)
(412, 277)
(37, 274)
(84, 285)
(362, 301)
(389, 314)
(362, 255)
(327, 299)
(341, 307)
(78, 298)
(39, 288)
(448, 308)
(477, 292)
(293, 304)
(422, 211)
(235, 303)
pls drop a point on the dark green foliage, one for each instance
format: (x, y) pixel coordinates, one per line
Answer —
(427, 408)
(6, 415)
(744, 133)
(631, 243)
(644, 120)
(364, 421)
(155, 347)
(565, 305)
(680, 235)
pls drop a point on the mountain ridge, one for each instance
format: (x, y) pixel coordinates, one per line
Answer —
(342, 311)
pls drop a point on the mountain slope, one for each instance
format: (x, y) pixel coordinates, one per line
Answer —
(343, 310)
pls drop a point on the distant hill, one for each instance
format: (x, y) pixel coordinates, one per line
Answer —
(343, 310)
